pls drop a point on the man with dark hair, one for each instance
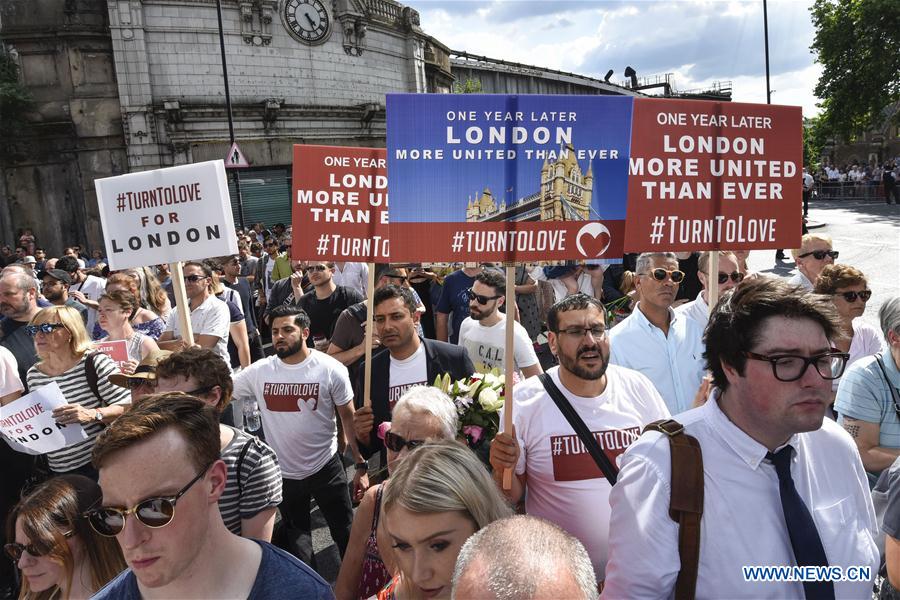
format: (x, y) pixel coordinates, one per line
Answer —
(483, 333)
(87, 289)
(408, 361)
(166, 450)
(299, 390)
(325, 302)
(248, 261)
(453, 305)
(230, 269)
(563, 482)
(55, 288)
(273, 266)
(782, 485)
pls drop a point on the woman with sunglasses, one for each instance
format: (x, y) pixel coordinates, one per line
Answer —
(421, 414)
(143, 320)
(438, 497)
(849, 291)
(64, 357)
(114, 316)
(57, 552)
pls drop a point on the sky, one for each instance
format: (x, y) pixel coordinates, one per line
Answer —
(698, 41)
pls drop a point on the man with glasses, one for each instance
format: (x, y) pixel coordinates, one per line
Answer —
(782, 485)
(728, 277)
(662, 344)
(483, 334)
(210, 318)
(453, 306)
(815, 252)
(325, 302)
(564, 484)
(162, 478)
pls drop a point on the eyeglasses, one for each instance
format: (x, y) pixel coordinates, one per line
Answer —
(596, 331)
(735, 276)
(820, 254)
(36, 549)
(395, 443)
(132, 383)
(661, 274)
(790, 367)
(399, 277)
(470, 295)
(45, 328)
(194, 278)
(157, 512)
(852, 296)
(318, 268)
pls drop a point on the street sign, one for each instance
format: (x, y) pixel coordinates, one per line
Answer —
(235, 159)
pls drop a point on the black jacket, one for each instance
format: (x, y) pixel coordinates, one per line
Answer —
(440, 358)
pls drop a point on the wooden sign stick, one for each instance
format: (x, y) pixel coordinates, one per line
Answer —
(181, 301)
(509, 360)
(712, 287)
(370, 309)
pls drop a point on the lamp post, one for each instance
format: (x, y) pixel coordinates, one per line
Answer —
(237, 177)
(766, 36)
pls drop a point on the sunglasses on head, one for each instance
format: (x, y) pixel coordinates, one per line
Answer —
(852, 296)
(318, 268)
(156, 512)
(470, 295)
(820, 254)
(661, 274)
(194, 278)
(735, 276)
(395, 443)
(45, 328)
(36, 549)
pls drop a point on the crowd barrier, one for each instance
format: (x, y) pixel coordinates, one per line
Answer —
(849, 190)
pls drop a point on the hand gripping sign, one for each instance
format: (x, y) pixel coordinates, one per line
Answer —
(28, 426)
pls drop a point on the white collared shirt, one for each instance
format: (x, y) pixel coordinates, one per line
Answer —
(698, 310)
(210, 318)
(673, 362)
(354, 275)
(743, 520)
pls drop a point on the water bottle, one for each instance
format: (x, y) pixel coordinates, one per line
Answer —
(251, 415)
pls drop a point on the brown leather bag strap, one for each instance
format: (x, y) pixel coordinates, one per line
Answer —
(686, 503)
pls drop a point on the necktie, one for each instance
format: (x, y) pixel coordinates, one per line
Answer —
(805, 541)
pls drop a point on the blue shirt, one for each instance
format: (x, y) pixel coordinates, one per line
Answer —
(454, 300)
(863, 394)
(280, 576)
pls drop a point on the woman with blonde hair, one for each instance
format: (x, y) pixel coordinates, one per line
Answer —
(56, 550)
(65, 358)
(144, 320)
(114, 315)
(438, 496)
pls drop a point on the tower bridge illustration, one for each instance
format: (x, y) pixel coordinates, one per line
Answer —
(565, 195)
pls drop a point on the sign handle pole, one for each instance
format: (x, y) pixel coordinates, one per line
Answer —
(712, 290)
(181, 301)
(509, 360)
(370, 309)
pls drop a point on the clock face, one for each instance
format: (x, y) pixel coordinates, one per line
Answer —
(307, 20)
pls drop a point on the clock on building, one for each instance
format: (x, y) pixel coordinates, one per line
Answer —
(307, 20)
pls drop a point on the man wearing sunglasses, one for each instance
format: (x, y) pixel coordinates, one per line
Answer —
(664, 345)
(782, 485)
(325, 302)
(728, 277)
(162, 478)
(483, 334)
(815, 252)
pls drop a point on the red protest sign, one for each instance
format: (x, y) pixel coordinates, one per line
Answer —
(340, 204)
(714, 175)
(115, 349)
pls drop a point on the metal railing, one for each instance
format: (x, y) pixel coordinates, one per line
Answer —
(849, 190)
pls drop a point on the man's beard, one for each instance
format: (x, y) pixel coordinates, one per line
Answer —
(477, 315)
(571, 363)
(290, 350)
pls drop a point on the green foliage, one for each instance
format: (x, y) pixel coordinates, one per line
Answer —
(815, 135)
(15, 100)
(858, 44)
(471, 86)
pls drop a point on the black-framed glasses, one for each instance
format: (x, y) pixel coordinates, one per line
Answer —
(36, 549)
(852, 296)
(596, 331)
(156, 512)
(471, 295)
(820, 254)
(132, 383)
(194, 278)
(45, 328)
(396, 443)
(791, 367)
(735, 276)
(318, 268)
(661, 274)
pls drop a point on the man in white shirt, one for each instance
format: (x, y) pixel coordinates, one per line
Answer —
(210, 319)
(483, 333)
(87, 289)
(814, 253)
(782, 485)
(353, 275)
(728, 276)
(298, 391)
(563, 482)
(665, 346)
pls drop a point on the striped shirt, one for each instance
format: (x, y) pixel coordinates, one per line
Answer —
(75, 388)
(260, 477)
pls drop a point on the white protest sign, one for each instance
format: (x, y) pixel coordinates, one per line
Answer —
(28, 424)
(166, 215)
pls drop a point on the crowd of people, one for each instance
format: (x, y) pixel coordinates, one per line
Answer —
(787, 396)
(857, 180)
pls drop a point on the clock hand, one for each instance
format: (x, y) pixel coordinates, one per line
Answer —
(311, 22)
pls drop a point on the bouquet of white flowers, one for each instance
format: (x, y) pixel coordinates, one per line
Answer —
(478, 400)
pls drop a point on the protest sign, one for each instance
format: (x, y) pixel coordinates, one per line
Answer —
(115, 349)
(166, 215)
(28, 424)
(507, 178)
(714, 175)
(340, 207)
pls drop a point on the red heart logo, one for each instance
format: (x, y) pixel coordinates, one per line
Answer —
(594, 245)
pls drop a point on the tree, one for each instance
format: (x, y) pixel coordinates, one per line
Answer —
(858, 44)
(471, 86)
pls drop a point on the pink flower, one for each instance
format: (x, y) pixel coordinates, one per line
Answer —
(473, 431)
(383, 428)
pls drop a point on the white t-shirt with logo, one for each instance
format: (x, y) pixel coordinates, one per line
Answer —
(297, 405)
(485, 344)
(565, 485)
(407, 373)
